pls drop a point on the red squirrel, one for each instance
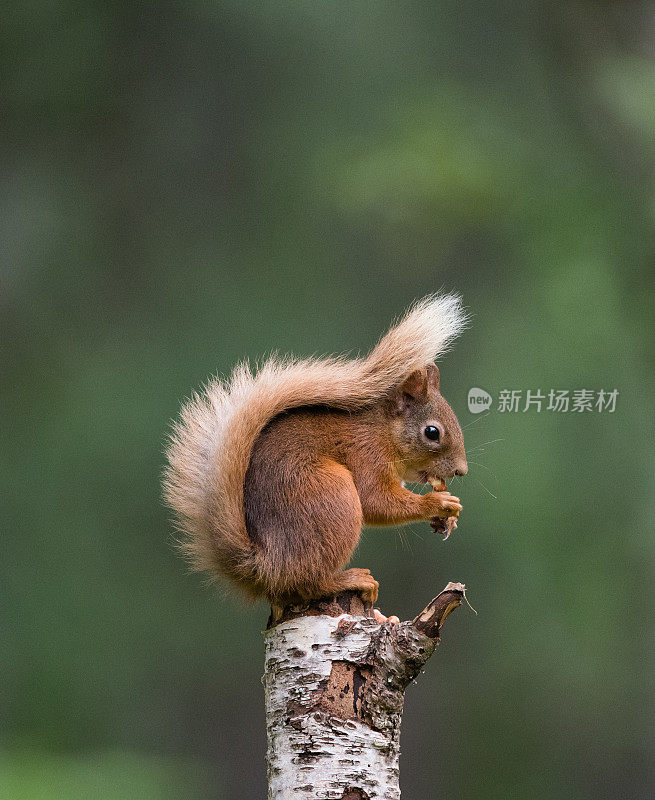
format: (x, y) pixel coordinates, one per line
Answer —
(272, 474)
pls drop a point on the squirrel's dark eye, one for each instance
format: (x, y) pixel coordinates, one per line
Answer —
(432, 433)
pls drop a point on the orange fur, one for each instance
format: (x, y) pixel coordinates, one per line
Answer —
(272, 475)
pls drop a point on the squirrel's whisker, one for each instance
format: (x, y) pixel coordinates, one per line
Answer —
(482, 416)
(484, 487)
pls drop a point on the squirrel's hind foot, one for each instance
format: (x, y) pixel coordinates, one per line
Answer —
(379, 617)
(356, 580)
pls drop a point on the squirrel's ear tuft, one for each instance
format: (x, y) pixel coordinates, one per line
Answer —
(432, 371)
(415, 386)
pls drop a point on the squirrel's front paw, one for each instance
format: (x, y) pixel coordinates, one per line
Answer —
(442, 504)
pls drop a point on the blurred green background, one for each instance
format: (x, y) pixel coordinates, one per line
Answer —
(188, 184)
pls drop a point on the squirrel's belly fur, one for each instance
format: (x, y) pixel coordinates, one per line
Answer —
(249, 515)
(297, 469)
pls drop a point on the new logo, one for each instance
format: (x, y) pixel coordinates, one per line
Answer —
(479, 400)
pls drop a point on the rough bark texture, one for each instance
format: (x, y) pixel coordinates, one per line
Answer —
(335, 681)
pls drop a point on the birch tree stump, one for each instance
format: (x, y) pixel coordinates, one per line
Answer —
(335, 683)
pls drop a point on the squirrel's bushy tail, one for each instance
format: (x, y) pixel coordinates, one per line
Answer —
(210, 447)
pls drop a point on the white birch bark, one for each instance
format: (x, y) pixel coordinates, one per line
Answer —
(334, 696)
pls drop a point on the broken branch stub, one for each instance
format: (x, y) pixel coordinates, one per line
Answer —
(433, 616)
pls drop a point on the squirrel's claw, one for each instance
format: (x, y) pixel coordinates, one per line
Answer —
(443, 526)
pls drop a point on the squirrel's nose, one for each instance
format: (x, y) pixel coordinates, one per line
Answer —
(462, 468)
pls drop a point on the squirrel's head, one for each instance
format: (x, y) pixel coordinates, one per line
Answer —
(428, 436)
